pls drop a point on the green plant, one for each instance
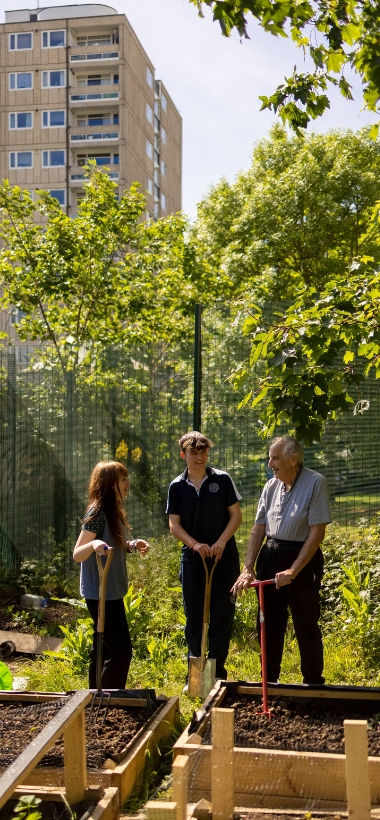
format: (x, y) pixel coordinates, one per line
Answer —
(5, 676)
(159, 651)
(76, 645)
(27, 808)
(133, 601)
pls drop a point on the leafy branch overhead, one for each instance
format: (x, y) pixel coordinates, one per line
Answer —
(335, 34)
(307, 364)
(105, 276)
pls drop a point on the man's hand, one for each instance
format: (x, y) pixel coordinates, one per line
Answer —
(217, 548)
(203, 549)
(244, 580)
(284, 578)
(142, 546)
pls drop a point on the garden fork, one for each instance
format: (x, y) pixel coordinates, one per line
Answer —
(103, 573)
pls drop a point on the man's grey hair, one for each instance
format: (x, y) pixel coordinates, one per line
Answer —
(291, 447)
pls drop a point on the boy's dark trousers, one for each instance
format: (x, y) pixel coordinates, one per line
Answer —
(302, 598)
(117, 647)
(222, 611)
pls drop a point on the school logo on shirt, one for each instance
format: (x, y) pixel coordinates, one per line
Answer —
(214, 488)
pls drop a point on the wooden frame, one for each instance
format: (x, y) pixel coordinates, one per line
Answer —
(274, 779)
(122, 775)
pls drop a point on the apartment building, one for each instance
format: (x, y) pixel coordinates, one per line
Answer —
(76, 84)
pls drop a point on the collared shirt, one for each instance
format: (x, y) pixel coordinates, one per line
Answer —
(289, 515)
(204, 514)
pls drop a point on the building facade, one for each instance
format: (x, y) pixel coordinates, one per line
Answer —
(76, 84)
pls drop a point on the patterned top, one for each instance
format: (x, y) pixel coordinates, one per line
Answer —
(117, 581)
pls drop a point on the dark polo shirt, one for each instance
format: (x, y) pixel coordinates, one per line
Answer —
(204, 516)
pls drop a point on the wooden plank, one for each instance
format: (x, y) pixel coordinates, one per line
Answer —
(180, 771)
(31, 644)
(158, 810)
(221, 693)
(194, 739)
(307, 775)
(107, 807)
(75, 759)
(28, 759)
(357, 769)
(53, 793)
(256, 689)
(127, 772)
(222, 764)
(30, 697)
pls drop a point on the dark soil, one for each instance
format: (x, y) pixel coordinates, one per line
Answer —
(295, 726)
(19, 724)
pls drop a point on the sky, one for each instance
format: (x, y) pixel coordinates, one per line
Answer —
(215, 83)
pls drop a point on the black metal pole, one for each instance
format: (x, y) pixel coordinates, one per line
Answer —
(197, 368)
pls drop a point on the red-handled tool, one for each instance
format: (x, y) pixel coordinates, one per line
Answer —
(263, 642)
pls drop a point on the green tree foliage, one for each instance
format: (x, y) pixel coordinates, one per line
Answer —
(308, 363)
(104, 277)
(336, 35)
(299, 216)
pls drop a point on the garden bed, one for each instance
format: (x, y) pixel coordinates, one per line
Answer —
(115, 752)
(53, 807)
(295, 760)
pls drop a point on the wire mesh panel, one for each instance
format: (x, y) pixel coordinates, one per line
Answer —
(132, 404)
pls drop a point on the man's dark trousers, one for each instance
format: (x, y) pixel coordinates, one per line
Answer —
(302, 598)
(221, 608)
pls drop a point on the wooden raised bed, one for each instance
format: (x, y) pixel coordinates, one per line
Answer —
(121, 775)
(276, 779)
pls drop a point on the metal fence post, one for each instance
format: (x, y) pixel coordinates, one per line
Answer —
(197, 368)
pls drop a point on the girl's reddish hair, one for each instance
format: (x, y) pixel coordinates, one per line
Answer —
(103, 496)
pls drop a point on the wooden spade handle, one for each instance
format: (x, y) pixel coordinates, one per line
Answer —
(206, 606)
(103, 573)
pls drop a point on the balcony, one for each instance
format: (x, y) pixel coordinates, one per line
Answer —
(78, 177)
(82, 59)
(106, 96)
(83, 135)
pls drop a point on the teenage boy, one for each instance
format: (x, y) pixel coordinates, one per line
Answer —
(204, 513)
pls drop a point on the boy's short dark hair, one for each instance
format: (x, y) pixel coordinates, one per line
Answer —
(195, 440)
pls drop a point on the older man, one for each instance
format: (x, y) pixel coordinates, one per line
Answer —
(292, 513)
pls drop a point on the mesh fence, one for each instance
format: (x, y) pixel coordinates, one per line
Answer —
(133, 404)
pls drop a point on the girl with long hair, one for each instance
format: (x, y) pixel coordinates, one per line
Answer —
(105, 527)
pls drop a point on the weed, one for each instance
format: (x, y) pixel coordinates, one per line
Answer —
(27, 808)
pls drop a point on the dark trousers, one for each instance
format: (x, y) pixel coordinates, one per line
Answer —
(222, 611)
(117, 647)
(302, 598)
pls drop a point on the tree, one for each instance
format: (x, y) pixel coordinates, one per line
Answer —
(335, 34)
(307, 364)
(298, 217)
(104, 277)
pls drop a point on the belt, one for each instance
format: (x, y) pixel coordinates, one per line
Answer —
(279, 543)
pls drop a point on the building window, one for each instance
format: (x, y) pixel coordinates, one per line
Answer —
(21, 80)
(163, 102)
(98, 39)
(156, 158)
(21, 119)
(156, 124)
(97, 79)
(163, 135)
(149, 149)
(21, 159)
(157, 176)
(156, 210)
(149, 77)
(149, 113)
(52, 159)
(163, 201)
(149, 185)
(53, 119)
(59, 194)
(20, 42)
(53, 39)
(157, 108)
(100, 159)
(53, 79)
(163, 168)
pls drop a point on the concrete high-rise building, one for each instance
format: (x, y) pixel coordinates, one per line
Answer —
(76, 84)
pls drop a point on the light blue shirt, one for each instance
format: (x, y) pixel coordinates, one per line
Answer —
(289, 515)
